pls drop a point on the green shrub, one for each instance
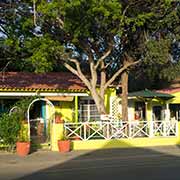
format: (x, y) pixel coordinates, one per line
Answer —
(10, 126)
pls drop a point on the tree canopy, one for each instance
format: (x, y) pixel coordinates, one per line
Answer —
(96, 40)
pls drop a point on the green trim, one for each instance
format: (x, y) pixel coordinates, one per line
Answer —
(76, 108)
(150, 94)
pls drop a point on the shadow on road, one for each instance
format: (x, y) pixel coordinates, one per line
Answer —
(153, 163)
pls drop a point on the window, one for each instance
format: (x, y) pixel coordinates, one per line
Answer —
(175, 111)
(139, 110)
(88, 111)
(7, 104)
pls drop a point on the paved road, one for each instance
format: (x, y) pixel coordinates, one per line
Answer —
(157, 163)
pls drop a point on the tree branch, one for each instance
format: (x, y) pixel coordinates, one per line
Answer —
(61, 22)
(78, 72)
(123, 14)
(70, 68)
(127, 65)
(3, 30)
(34, 13)
(102, 58)
(89, 51)
(103, 80)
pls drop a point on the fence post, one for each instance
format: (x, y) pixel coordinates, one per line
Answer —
(85, 127)
(107, 130)
(130, 128)
(151, 130)
(164, 127)
(177, 128)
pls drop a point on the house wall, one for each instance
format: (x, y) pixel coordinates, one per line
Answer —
(176, 99)
(66, 110)
(121, 143)
(150, 105)
(110, 92)
(149, 111)
(118, 143)
(131, 110)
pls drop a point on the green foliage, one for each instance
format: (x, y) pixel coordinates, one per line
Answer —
(157, 52)
(23, 133)
(22, 106)
(90, 26)
(15, 27)
(12, 127)
(43, 50)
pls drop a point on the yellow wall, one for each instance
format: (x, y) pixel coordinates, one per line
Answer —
(114, 143)
(66, 109)
(109, 93)
(120, 143)
(176, 99)
(123, 143)
(150, 104)
(57, 134)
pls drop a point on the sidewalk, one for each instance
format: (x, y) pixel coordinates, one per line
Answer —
(14, 167)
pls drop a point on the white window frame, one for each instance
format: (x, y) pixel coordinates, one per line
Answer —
(89, 116)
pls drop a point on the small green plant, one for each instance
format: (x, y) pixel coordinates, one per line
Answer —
(63, 137)
(23, 133)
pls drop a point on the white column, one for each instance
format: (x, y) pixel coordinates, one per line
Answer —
(146, 111)
(151, 130)
(167, 112)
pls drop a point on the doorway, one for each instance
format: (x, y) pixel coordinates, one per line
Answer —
(40, 114)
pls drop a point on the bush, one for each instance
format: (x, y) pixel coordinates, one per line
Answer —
(10, 126)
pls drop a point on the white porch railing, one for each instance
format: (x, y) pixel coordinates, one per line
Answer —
(120, 129)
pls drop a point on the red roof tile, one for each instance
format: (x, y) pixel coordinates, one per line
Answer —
(169, 90)
(173, 87)
(51, 81)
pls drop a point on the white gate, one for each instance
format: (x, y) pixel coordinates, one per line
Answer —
(52, 116)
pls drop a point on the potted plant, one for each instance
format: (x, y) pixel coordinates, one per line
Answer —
(23, 142)
(64, 144)
(13, 132)
(13, 128)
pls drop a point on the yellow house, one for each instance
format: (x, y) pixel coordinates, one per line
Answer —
(60, 97)
(174, 103)
(63, 107)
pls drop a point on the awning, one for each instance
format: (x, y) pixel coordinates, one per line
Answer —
(150, 94)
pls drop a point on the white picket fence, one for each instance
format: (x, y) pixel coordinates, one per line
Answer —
(120, 129)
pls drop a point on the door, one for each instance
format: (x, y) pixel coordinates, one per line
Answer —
(39, 123)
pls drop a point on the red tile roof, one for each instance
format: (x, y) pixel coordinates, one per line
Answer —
(173, 87)
(169, 90)
(51, 81)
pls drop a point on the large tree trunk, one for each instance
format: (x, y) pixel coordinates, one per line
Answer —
(99, 101)
(124, 81)
(99, 94)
